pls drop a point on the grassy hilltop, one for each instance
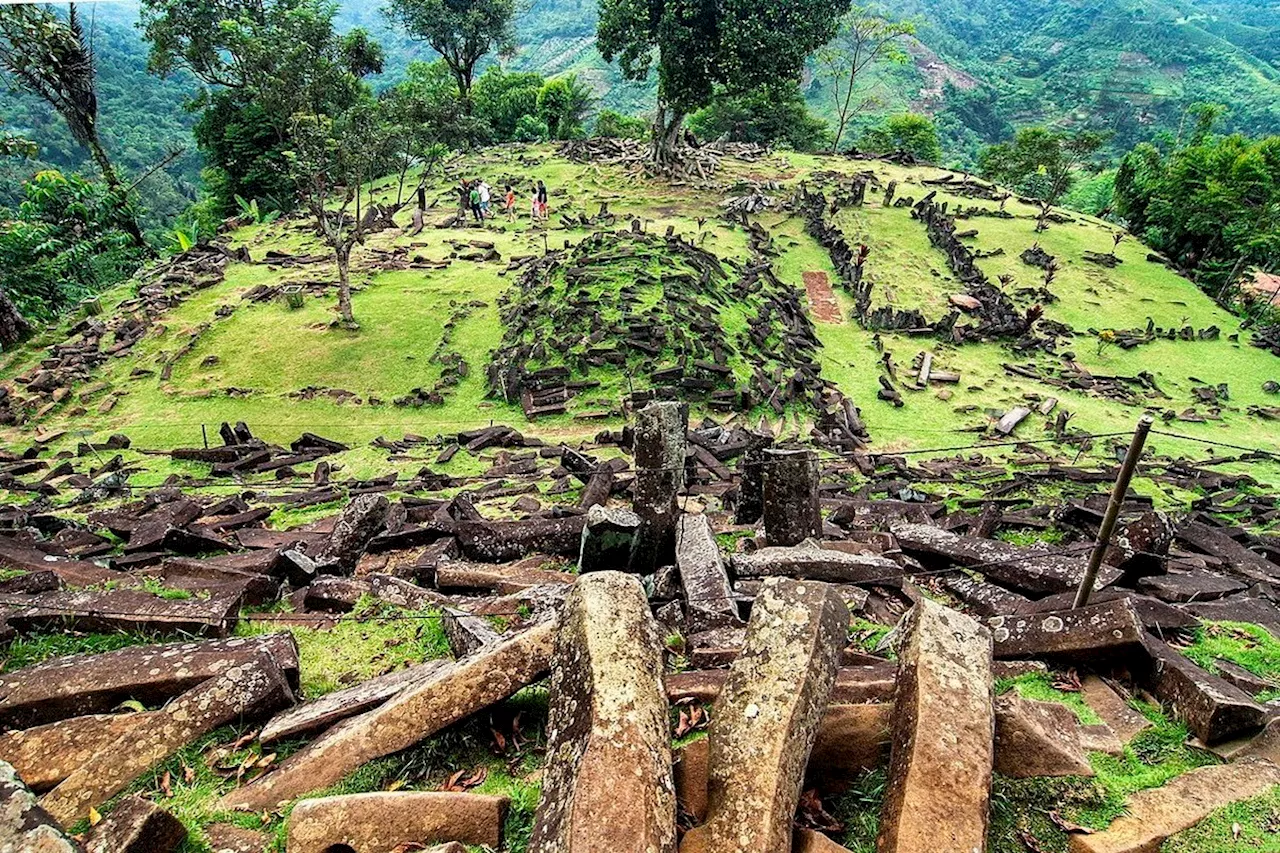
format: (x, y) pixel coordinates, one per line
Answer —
(283, 370)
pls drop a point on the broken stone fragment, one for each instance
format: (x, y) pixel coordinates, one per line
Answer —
(504, 541)
(77, 685)
(943, 736)
(229, 838)
(791, 512)
(1151, 816)
(243, 691)
(124, 610)
(1112, 628)
(454, 693)
(331, 708)
(386, 822)
(1213, 709)
(608, 779)
(607, 540)
(24, 826)
(363, 519)
(1038, 739)
(1113, 708)
(504, 580)
(703, 577)
(811, 561)
(659, 451)
(692, 772)
(765, 720)
(1030, 570)
(136, 825)
(45, 755)
(808, 841)
(852, 738)
(467, 634)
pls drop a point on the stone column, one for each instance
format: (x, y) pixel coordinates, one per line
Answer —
(608, 782)
(790, 497)
(750, 503)
(659, 458)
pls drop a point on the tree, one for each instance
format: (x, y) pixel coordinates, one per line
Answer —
(1039, 162)
(68, 239)
(51, 58)
(502, 98)
(461, 31)
(1213, 206)
(611, 124)
(268, 60)
(737, 45)
(334, 162)
(565, 103)
(770, 115)
(16, 146)
(864, 39)
(906, 133)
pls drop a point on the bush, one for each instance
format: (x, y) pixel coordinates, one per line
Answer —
(907, 133)
(531, 129)
(614, 125)
(770, 115)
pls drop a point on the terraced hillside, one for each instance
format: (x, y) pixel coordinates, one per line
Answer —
(696, 303)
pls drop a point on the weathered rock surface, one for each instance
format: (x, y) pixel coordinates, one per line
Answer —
(608, 778)
(1213, 709)
(339, 705)
(408, 718)
(790, 497)
(1112, 628)
(242, 691)
(385, 822)
(24, 826)
(1113, 708)
(765, 720)
(808, 841)
(810, 561)
(123, 610)
(659, 445)
(1157, 813)
(45, 755)
(229, 838)
(76, 685)
(503, 541)
(1038, 739)
(607, 539)
(1031, 570)
(703, 577)
(136, 825)
(943, 736)
(360, 521)
(692, 771)
(851, 739)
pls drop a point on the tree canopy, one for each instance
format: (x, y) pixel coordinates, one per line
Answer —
(462, 31)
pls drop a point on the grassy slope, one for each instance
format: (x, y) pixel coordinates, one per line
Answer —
(273, 352)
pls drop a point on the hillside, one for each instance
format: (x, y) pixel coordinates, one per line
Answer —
(363, 537)
(434, 308)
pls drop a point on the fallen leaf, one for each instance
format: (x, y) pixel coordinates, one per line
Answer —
(1235, 831)
(1067, 826)
(166, 784)
(812, 814)
(94, 817)
(1031, 842)
(397, 785)
(499, 739)
(683, 727)
(188, 773)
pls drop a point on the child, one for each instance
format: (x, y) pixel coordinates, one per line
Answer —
(535, 206)
(510, 199)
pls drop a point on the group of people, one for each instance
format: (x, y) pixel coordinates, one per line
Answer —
(476, 197)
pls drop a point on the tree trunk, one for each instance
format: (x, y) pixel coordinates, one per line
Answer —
(343, 254)
(14, 328)
(127, 221)
(666, 136)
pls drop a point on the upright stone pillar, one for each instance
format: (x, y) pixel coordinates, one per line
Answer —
(791, 497)
(765, 720)
(608, 782)
(750, 505)
(659, 458)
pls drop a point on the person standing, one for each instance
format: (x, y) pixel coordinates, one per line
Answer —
(535, 206)
(542, 200)
(474, 200)
(510, 200)
(486, 200)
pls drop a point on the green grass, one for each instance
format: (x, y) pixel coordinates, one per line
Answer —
(1250, 646)
(373, 639)
(1039, 686)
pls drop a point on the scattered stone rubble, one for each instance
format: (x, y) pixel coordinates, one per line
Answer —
(761, 628)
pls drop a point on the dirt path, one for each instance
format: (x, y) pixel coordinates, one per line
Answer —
(822, 301)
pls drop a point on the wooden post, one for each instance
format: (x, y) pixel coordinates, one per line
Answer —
(204, 433)
(1118, 492)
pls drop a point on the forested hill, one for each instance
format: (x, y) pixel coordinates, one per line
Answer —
(981, 67)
